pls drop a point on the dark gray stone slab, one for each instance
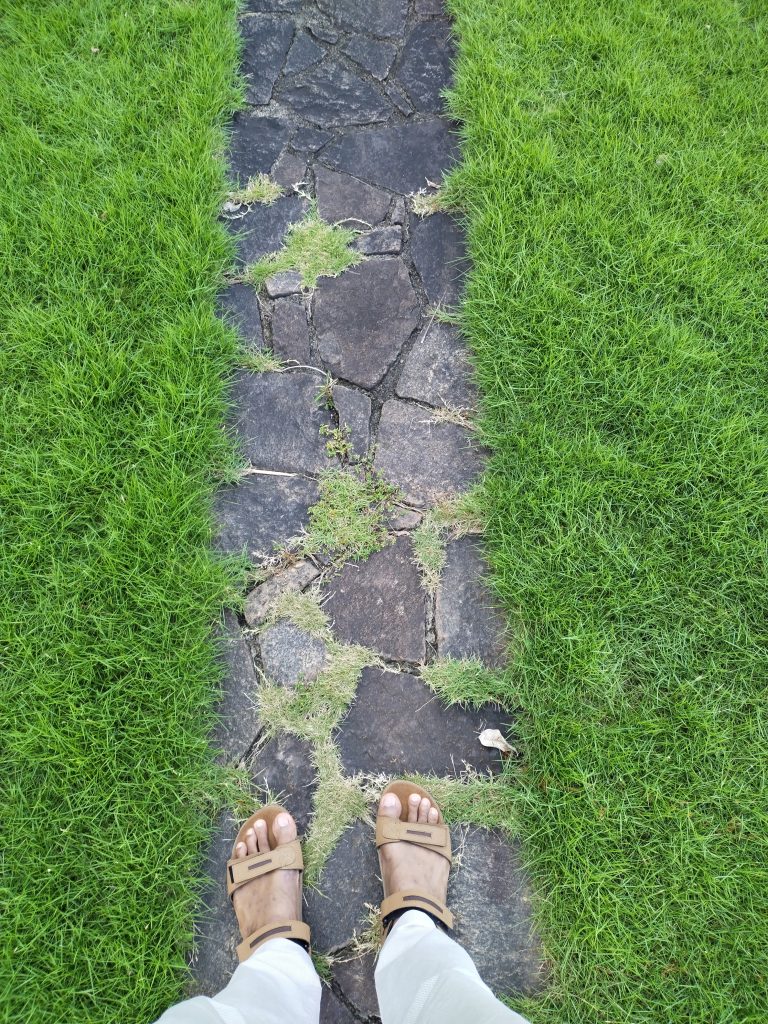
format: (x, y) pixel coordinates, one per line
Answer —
(303, 54)
(363, 319)
(425, 69)
(429, 8)
(469, 624)
(373, 55)
(342, 197)
(354, 411)
(398, 213)
(355, 979)
(290, 169)
(385, 241)
(402, 157)
(332, 1010)
(310, 140)
(262, 513)
(397, 726)
(216, 932)
(491, 899)
(376, 17)
(380, 603)
(404, 519)
(284, 282)
(263, 598)
(278, 420)
(266, 39)
(262, 230)
(239, 306)
(399, 98)
(290, 330)
(254, 144)
(324, 33)
(440, 256)
(331, 96)
(437, 370)
(352, 869)
(282, 772)
(237, 723)
(426, 458)
(289, 654)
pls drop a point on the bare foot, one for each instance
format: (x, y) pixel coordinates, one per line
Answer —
(272, 897)
(406, 866)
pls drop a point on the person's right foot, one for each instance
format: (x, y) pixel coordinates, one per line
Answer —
(406, 866)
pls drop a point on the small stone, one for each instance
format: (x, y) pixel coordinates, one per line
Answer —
(372, 55)
(380, 603)
(263, 229)
(290, 170)
(342, 197)
(310, 140)
(325, 34)
(238, 305)
(262, 514)
(401, 157)
(469, 624)
(428, 459)
(278, 420)
(290, 654)
(237, 721)
(397, 726)
(355, 979)
(437, 370)
(266, 39)
(353, 408)
(254, 144)
(332, 1010)
(363, 319)
(376, 17)
(282, 770)
(284, 282)
(303, 54)
(399, 98)
(352, 869)
(380, 242)
(331, 96)
(262, 600)
(404, 519)
(290, 330)
(398, 214)
(440, 256)
(425, 69)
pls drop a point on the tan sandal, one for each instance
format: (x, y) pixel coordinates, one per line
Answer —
(432, 837)
(242, 870)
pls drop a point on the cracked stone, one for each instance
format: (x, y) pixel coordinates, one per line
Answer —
(354, 411)
(440, 256)
(327, 35)
(397, 726)
(404, 519)
(490, 896)
(238, 305)
(284, 282)
(303, 54)
(342, 197)
(355, 979)
(290, 654)
(381, 242)
(428, 459)
(331, 96)
(290, 170)
(352, 869)
(216, 931)
(254, 144)
(380, 603)
(278, 420)
(263, 229)
(399, 98)
(401, 157)
(425, 69)
(376, 17)
(373, 55)
(363, 319)
(398, 214)
(437, 370)
(290, 330)
(468, 623)
(332, 1010)
(262, 600)
(237, 722)
(266, 39)
(310, 139)
(262, 514)
(282, 769)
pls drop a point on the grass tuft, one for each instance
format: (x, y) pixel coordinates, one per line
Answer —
(350, 519)
(449, 519)
(258, 360)
(313, 248)
(469, 682)
(260, 189)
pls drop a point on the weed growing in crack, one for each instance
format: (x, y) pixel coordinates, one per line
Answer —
(338, 444)
(260, 189)
(313, 247)
(424, 203)
(258, 360)
(468, 682)
(350, 519)
(448, 520)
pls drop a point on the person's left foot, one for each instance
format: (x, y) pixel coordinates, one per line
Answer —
(272, 897)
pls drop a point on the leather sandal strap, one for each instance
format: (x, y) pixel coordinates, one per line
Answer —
(431, 837)
(241, 870)
(296, 930)
(414, 899)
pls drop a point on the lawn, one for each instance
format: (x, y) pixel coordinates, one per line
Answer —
(614, 182)
(112, 368)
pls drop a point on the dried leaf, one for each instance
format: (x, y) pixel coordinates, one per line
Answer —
(493, 738)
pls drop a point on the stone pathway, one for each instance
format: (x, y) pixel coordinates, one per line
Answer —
(345, 111)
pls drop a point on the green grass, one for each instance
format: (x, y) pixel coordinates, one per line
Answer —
(313, 248)
(112, 367)
(350, 519)
(614, 186)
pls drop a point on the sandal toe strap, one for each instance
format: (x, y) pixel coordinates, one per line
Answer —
(296, 930)
(431, 837)
(414, 899)
(244, 869)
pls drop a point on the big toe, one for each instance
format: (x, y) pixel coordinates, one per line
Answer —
(390, 806)
(284, 828)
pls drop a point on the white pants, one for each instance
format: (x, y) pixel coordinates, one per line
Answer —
(422, 977)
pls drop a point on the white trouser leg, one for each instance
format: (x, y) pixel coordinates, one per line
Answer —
(278, 984)
(424, 977)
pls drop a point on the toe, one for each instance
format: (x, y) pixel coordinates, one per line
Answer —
(424, 806)
(241, 850)
(262, 836)
(250, 841)
(284, 828)
(413, 807)
(390, 806)
(434, 817)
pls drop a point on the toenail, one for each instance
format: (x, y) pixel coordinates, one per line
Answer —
(283, 820)
(388, 800)
(415, 798)
(249, 832)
